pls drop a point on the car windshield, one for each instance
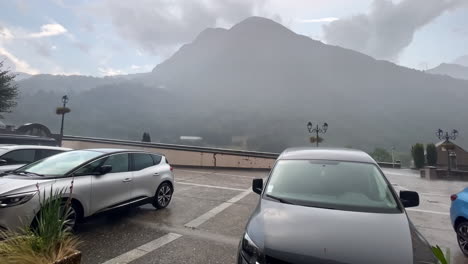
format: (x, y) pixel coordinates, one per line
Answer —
(61, 163)
(331, 184)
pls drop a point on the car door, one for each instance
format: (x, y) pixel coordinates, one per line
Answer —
(17, 158)
(113, 188)
(146, 174)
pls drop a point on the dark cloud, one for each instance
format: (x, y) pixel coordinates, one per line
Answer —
(83, 47)
(463, 60)
(388, 28)
(159, 25)
(43, 49)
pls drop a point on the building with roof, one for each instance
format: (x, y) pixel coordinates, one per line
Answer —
(449, 150)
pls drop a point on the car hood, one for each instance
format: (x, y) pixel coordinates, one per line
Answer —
(298, 234)
(16, 184)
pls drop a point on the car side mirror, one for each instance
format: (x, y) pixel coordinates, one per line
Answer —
(409, 198)
(257, 186)
(104, 169)
(3, 162)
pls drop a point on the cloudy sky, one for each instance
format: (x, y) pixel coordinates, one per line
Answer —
(108, 37)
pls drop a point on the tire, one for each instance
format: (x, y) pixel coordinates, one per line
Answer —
(72, 218)
(163, 195)
(462, 237)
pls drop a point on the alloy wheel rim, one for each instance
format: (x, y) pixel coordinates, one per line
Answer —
(462, 235)
(70, 220)
(164, 195)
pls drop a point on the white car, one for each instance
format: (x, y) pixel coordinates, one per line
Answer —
(103, 179)
(13, 157)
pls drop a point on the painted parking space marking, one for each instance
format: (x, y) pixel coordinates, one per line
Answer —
(210, 186)
(217, 174)
(427, 211)
(215, 211)
(140, 251)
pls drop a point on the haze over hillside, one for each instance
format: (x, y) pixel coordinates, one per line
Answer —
(261, 81)
(453, 70)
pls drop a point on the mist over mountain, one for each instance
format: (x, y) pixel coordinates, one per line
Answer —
(453, 70)
(262, 82)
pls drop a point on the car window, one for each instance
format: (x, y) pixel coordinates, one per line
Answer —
(90, 168)
(156, 159)
(22, 156)
(118, 162)
(44, 153)
(332, 184)
(142, 161)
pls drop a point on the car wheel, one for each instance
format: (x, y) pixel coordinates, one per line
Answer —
(163, 195)
(71, 217)
(462, 237)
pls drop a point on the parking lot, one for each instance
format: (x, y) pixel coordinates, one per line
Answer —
(206, 218)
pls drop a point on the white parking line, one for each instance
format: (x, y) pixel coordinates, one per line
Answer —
(220, 174)
(140, 251)
(427, 211)
(210, 186)
(218, 209)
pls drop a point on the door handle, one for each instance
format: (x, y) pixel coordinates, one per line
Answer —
(127, 180)
(156, 174)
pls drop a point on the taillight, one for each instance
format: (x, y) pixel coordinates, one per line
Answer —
(453, 197)
(171, 168)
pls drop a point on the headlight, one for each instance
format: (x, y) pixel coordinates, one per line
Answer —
(15, 199)
(251, 252)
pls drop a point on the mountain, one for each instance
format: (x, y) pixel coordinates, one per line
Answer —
(261, 81)
(453, 70)
(21, 76)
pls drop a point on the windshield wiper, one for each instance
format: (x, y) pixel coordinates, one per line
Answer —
(37, 174)
(22, 173)
(279, 199)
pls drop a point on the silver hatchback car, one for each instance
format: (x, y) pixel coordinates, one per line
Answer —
(102, 179)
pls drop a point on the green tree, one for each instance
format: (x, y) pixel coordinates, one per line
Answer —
(431, 155)
(418, 155)
(380, 154)
(8, 90)
(146, 137)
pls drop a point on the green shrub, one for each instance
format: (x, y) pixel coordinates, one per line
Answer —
(382, 155)
(431, 155)
(418, 155)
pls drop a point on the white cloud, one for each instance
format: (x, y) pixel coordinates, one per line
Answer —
(53, 47)
(5, 33)
(20, 65)
(156, 26)
(110, 71)
(135, 67)
(49, 30)
(389, 27)
(319, 20)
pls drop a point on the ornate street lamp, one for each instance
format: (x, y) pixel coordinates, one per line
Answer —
(317, 130)
(447, 144)
(62, 111)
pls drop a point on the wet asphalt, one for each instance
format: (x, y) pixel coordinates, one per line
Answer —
(203, 197)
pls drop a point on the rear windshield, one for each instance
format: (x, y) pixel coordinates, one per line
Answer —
(332, 184)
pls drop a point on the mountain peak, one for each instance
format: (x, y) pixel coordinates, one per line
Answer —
(260, 24)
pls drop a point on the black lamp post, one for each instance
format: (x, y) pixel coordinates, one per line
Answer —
(445, 135)
(317, 130)
(63, 112)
